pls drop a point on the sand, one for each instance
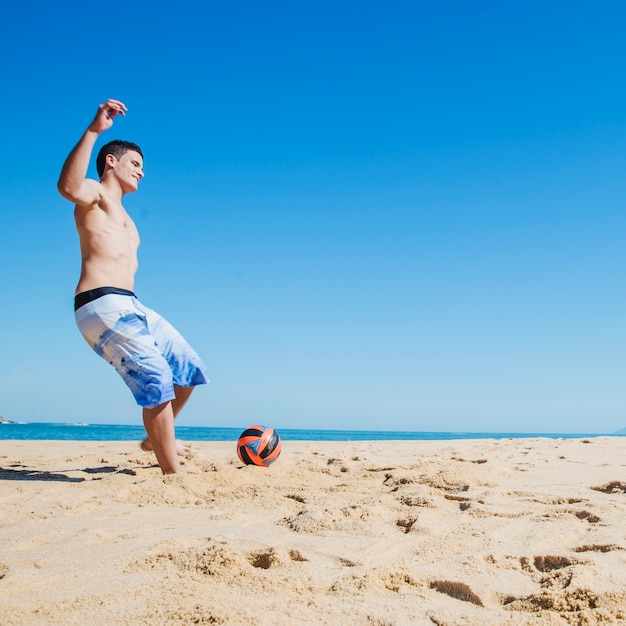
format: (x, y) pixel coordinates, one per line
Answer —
(527, 531)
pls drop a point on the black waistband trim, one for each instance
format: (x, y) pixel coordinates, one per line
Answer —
(82, 298)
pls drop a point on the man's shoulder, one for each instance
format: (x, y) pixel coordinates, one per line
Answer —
(95, 184)
(90, 196)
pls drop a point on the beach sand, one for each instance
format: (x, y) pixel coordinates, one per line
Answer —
(525, 531)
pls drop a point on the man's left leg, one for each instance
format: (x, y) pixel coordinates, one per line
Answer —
(182, 395)
(159, 424)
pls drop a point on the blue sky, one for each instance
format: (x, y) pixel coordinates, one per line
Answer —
(399, 215)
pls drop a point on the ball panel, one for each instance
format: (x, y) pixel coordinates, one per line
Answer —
(269, 442)
(244, 457)
(249, 457)
(253, 431)
(268, 460)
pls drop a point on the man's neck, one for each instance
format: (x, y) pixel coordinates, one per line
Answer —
(114, 189)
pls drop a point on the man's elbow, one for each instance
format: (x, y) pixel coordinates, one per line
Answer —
(69, 191)
(64, 189)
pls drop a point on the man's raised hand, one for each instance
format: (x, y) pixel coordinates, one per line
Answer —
(106, 114)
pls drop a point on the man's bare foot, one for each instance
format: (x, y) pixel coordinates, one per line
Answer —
(182, 448)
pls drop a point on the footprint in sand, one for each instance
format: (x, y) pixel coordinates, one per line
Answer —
(264, 559)
(574, 606)
(586, 515)
(613, 487)
(595, 547)
(457, 590)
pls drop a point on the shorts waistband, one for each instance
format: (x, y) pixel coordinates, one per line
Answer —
(84, 297)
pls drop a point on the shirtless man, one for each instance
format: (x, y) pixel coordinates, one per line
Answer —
(157, 364)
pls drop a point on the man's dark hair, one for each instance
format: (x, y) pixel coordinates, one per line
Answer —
(117, 148)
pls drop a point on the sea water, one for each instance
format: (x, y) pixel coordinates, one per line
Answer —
(117, 432)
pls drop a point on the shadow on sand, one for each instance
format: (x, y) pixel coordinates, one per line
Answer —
(20, 472)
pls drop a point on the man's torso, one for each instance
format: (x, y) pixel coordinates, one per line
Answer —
(108, 244)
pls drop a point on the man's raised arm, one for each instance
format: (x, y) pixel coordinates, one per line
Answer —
(73, 184)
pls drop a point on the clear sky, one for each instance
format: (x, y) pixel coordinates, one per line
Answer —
(363, 215)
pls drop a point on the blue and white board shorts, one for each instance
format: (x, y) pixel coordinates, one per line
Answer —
(146, 350)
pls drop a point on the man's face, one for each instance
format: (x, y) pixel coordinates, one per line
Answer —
(129, 170)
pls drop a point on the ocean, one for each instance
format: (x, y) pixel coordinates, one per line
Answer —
(117, 432)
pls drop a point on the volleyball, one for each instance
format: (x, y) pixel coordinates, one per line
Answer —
(258, 445)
